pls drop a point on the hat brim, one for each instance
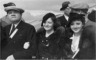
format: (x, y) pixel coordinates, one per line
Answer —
(61, 9)
(14, 8)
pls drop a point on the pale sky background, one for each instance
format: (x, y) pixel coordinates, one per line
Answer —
(37, 7)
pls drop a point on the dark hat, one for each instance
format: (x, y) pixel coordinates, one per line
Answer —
(46, 16)
(65, 5)
(74, 16)
(14, 8)
(9, 4)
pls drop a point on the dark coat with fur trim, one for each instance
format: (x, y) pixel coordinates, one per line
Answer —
(86, 45)
(53, 50)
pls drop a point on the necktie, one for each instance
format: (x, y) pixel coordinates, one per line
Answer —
(13, 28)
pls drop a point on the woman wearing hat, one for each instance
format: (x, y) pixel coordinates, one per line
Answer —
(82, 39)
(48, 38)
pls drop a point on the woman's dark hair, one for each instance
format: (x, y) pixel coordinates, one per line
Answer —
(75, 17)
(54, 19)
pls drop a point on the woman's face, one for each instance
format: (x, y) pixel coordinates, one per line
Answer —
(48, 24)
(76, 26)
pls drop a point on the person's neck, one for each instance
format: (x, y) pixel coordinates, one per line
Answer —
(17, 22)
(66, 15)
(49, 32)
(78, 34)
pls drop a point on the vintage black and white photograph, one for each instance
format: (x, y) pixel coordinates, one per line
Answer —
(47, 29)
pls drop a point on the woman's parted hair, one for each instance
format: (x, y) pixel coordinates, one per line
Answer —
(54, 19)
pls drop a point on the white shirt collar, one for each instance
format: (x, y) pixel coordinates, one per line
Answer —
(17, 24)
(66, 17)
(14, 25)
(75, 42)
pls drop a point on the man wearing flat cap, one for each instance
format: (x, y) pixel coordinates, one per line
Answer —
(66, 10)
(20, 37)
(82, 8)
(88, 52)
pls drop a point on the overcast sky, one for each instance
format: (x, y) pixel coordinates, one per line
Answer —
(52, 5)
(42, 4)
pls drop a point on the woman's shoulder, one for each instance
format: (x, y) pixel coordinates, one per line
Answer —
(60, 30)
(40, 31)
(89, 29)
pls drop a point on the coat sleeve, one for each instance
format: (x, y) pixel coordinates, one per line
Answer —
(3, 37)
(31, 51)
(87, 49)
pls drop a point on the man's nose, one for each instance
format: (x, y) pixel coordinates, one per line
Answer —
(12, 14)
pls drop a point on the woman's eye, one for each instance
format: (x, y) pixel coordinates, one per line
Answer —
(50, 22)
(72, 23)
(78, 23)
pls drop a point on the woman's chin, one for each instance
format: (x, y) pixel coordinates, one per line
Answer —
(76, 31)
(47, 29)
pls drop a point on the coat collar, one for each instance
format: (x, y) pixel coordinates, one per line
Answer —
(82, 38)
(19, 27)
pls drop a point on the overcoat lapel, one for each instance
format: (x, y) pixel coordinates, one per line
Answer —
(8, 30)
(19, 29)
(82, 39)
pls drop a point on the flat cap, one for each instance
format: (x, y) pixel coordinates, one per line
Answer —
(80, 6)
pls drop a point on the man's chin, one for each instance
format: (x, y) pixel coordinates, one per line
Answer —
(14, 21)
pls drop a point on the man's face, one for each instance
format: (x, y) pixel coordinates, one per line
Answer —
(14, 16)
(67, 11)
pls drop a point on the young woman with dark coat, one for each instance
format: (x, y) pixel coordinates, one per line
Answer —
(48, 38)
